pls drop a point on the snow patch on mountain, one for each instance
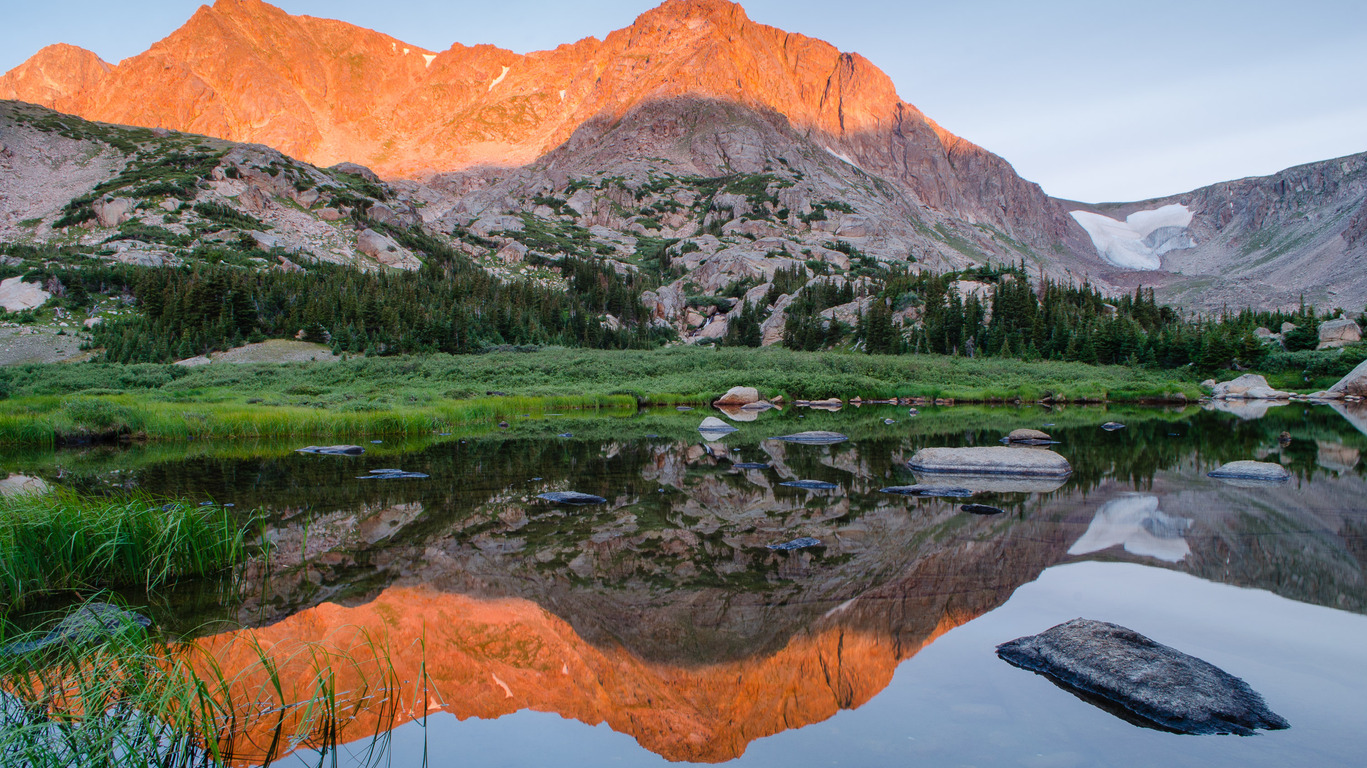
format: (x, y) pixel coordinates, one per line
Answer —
(1139, 241)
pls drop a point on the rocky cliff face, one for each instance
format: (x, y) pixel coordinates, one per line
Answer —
(613, 133)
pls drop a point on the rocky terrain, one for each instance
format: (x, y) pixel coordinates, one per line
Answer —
(694, 142)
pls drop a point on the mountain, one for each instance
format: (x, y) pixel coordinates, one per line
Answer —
(697, 123)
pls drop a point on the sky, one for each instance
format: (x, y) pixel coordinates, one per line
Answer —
(1097, 101)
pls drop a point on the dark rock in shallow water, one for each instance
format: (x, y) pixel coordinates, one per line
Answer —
(814, 438)
(982, 509)
(392, 474)
(89, 623)
(333, 450)
(571, 497)
(928, 490)
(1141, 681)
(1112, 426)
(788, 546)
(811, 485)
(750, 465)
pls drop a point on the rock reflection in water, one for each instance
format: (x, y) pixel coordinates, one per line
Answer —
(1135, 523)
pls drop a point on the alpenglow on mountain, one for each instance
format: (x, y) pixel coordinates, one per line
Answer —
(820, 156)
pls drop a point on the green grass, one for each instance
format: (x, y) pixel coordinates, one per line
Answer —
(63, 541)
(134, 699)
(420, 395)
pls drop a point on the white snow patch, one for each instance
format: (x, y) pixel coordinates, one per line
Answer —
(1135, 522)
(499, 79)
(405, 51)
(562, 94)
(1128, 243)
(841, 156)
(427, 57)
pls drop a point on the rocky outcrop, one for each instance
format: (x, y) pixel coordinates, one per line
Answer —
(1141, 681)
(1339, 333)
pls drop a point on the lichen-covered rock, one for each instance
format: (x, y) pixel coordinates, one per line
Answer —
(1142, 681)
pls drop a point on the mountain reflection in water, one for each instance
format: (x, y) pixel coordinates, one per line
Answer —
(663, 614)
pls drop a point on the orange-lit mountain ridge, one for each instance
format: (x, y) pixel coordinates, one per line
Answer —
(694, 88)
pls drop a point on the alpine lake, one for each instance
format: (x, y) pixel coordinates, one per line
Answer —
(661, 626)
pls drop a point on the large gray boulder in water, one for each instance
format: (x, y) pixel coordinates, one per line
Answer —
(1252, 471)
(991, 460)
(1141, 681)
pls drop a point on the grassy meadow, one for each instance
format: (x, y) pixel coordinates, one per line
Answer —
(48, 404)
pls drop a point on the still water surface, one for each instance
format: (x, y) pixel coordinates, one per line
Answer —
(658, 627)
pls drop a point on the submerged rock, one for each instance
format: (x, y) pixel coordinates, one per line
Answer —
(788, 546)
(991, 461)
(750, 465)
(572, 497)
(928, 490)
(1141, 681)
(811, 485)
(333, 450)
(392, 474)
(1255, 471)
(819, 437)
(89, 623)
(1112, 426)
(982, 509)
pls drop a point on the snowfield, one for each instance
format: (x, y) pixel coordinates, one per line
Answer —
(1139, 241)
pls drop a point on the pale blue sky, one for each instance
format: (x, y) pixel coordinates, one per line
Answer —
(1094, 100)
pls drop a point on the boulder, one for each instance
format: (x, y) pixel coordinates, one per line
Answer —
(332, 450)
(91, 623)
(739, 396)
(1028, 437)
(23, 485)
(17, 295)
(571, 497)
(1141, 681)
(714, 424)
(1355, 383)
(111, 212)
(995, 460)
(1255, 471)
(981, 509)
(818, 437)
(1250, 386)
(788, 546)
(928, 490)
(810, 485)
(329, 214)
(385, 250)
(1339, 333)
(1288, 328)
